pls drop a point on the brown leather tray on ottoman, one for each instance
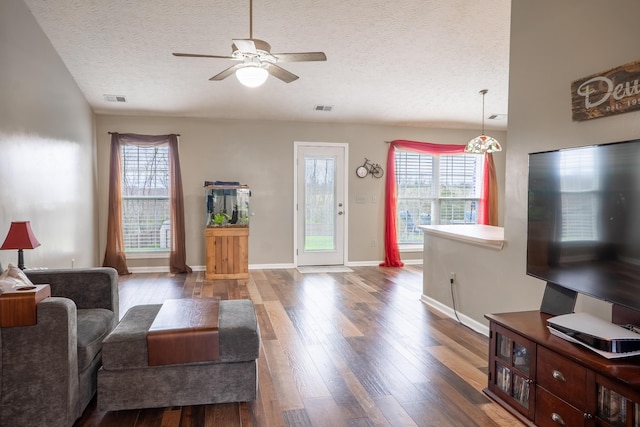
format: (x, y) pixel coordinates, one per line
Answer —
(185, 331)
(127, 381)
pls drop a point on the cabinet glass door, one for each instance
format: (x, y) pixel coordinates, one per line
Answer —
(503, 350)
(503, 379)
(612, 407)
(512, 369)
(521, 358)
(521, 387)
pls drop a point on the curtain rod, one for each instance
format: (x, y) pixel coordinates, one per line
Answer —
(111, 133)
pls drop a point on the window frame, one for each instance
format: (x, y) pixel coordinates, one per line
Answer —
(160, 252)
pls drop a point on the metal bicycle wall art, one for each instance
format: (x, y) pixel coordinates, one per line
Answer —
(369, 168)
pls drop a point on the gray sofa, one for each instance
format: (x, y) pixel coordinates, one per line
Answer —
(48, 372)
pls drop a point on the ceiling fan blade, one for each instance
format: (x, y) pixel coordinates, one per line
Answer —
(300, 57)
(226, 73)
(196, 55)
(281, 73)
(245, 45)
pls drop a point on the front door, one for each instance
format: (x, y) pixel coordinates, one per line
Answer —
(320, 203)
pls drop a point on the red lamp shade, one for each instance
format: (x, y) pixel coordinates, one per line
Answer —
(20, 236)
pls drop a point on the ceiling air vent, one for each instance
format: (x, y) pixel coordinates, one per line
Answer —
(115, 98)
(323, 107)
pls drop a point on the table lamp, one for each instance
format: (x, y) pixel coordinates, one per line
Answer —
(20, 237)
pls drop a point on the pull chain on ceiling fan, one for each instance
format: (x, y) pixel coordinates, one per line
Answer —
(257, 60)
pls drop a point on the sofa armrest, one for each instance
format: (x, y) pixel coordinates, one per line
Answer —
(40, 363)
(87, 287)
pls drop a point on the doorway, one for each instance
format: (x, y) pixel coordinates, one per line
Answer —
(320, 203)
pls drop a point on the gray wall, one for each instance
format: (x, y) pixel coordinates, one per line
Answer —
(47, 160)
(260, 154)
(552, 44)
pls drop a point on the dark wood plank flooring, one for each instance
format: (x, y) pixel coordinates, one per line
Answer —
(341, 349)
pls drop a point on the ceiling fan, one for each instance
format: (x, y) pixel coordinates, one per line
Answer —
(257, 60)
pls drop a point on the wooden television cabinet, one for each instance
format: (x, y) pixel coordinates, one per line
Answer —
(546, 381)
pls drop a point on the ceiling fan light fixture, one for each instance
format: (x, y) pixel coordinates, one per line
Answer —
(483, 143)
(252, 76)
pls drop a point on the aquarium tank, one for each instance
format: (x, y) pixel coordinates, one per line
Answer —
(227, 204)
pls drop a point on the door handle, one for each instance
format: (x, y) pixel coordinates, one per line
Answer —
(340, 212)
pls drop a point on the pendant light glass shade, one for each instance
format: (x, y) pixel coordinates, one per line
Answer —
(252, 76)
(483, 143)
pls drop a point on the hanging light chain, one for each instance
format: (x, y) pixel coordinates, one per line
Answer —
(483, 92)
(250, 19)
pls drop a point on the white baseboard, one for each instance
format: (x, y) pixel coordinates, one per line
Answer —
(162, 269)
(271, 266)
(377, 263)
(283, 266)
(413, 261)
(165, 268)
(362, 263)
(465, 320)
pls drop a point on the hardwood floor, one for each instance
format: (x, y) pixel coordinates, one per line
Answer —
(342, 349)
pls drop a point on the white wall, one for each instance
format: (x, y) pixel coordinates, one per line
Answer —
(260, 154)
(552, 44)
(47, 160)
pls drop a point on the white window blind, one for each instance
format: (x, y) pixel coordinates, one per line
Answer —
(434, 189)
(145, 198)
(579, 185)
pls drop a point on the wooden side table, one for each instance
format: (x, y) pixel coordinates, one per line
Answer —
(18, 306)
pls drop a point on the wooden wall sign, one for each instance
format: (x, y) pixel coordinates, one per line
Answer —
(611, 92)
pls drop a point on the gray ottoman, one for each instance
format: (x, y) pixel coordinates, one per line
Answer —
(126, 381)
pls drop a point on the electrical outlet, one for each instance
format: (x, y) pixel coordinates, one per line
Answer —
(452, 277)
(374, 243)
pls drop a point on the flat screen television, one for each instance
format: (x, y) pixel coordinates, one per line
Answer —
(583, 230)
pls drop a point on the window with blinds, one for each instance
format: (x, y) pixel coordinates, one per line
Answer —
(579, 188)
(436, 189)
(145, 198)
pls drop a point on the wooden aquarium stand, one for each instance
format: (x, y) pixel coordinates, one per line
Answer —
(227, 253)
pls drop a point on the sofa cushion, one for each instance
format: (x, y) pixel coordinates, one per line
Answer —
(239, 333)
(94, 325)
(126, 345)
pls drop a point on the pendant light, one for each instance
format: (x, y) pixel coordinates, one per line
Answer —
(483, 143)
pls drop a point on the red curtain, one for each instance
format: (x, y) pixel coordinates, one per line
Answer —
(392, 252)
(489, 204)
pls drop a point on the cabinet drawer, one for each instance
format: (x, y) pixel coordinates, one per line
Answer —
(562, 377)
(553, 412)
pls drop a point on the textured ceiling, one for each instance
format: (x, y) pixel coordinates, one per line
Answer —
(402, 62)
